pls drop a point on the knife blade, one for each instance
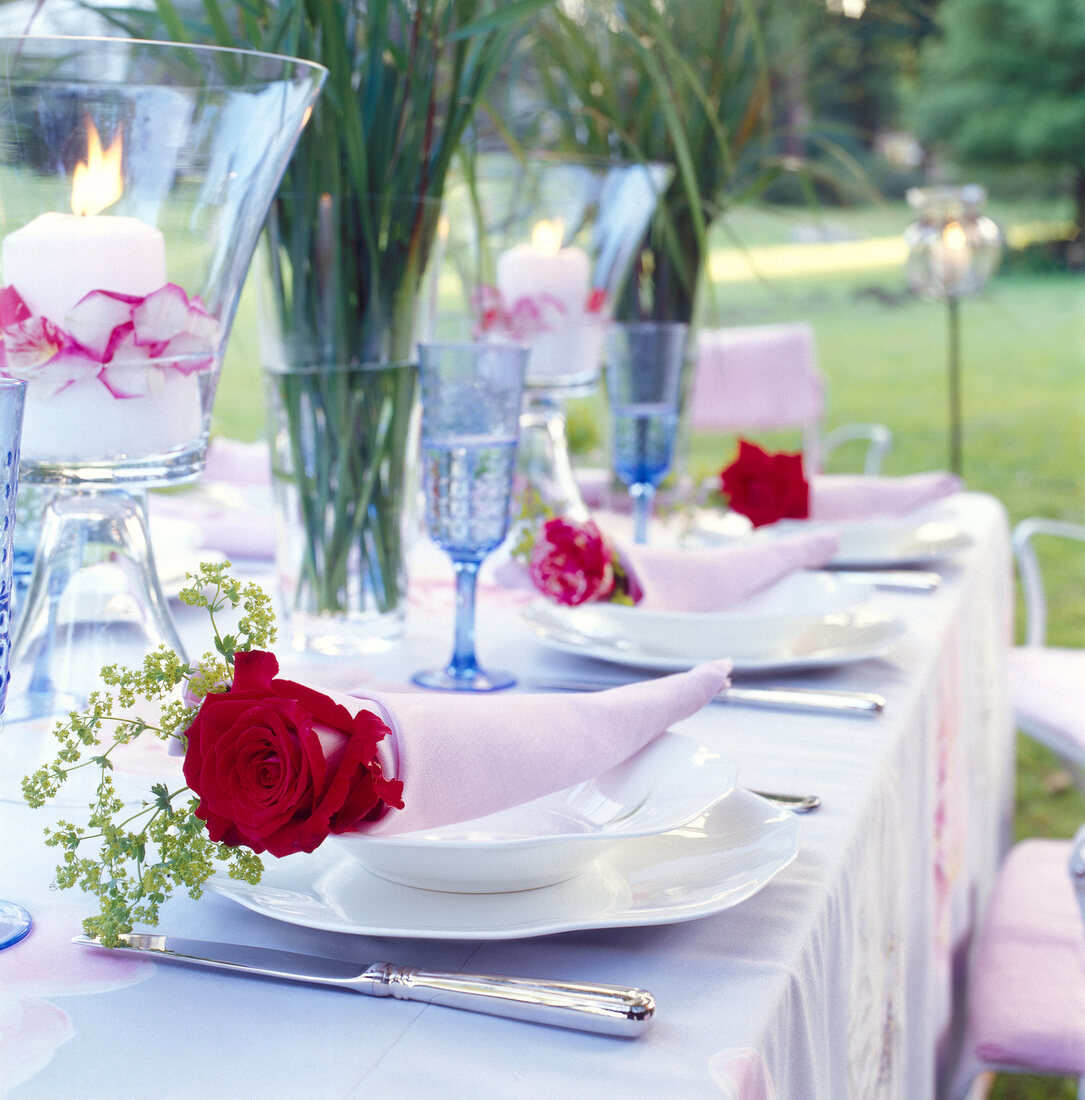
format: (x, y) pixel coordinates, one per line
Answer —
(582, 1006)
(909, 580)
(809, 699)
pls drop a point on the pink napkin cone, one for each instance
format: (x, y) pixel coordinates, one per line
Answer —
(837, 497)
(720, 578)
(465, 756)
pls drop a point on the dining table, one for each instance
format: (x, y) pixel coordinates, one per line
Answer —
(814, 956)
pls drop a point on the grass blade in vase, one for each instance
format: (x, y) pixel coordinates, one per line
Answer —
(347, 247)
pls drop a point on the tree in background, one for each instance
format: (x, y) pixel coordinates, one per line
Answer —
(1005, 85)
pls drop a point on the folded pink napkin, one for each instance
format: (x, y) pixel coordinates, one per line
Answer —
(465, 756)
(837, 497)
(720, 578)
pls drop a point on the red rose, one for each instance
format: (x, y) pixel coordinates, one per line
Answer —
(278, 766)
(766, 487)
(572, 562)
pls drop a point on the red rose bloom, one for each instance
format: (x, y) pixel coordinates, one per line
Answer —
(278, 766)
(572, 562)
(766, 487)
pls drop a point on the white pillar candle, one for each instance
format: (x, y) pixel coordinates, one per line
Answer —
(544, 268)
(556, 283)
(57, 259)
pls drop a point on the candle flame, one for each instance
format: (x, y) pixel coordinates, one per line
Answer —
(546, 237)
(954, 237)
(96, 182)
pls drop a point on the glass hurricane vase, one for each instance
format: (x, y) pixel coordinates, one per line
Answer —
(538, 250)
(135, 177)
(340, 280)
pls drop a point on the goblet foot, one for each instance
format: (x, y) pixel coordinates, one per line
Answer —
(473, 679)
(15, 923)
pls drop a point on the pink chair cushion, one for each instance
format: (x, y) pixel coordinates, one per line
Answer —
(1028, 984)
(757, 377)
(1048, 691)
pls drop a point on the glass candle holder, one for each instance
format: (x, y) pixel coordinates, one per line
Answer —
(134, 178)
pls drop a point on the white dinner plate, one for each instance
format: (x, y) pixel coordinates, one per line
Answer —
(672, 780)
(837, 640)
(707, 865)
(896, 542)
(760, 625)
(918, 540)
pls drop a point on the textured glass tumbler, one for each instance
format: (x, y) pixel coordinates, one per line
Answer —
(471, 397)
(14, 919)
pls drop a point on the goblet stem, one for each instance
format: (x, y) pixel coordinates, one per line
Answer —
(643, 495)
(464, 662)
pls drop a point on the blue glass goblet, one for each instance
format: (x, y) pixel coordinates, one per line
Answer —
(14, 919)
(471, 400)
(643, 366)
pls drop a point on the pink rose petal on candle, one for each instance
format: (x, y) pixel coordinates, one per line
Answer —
(68, 367)
(127, 378)
(190, 350)
(12, 307)
(30, 343)
(161, 316)
(95, 320)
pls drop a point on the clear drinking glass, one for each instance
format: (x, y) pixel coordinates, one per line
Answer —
(14, 919)
(643, 365)
(471, 400)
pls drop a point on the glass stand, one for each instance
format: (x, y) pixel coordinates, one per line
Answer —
(543, 461)
(94, 599)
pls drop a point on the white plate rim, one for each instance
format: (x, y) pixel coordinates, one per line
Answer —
(773, 847)
(551, 634)
(936, 551)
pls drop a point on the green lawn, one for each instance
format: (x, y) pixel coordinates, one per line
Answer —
(885, 356)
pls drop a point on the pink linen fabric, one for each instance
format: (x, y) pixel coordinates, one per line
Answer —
(840, 497)
(237, 524)
(465, 756)
(756, 377)
(719, 578)
(44, 966)
(1048, 691)
(237, 463)
(1027, 1006)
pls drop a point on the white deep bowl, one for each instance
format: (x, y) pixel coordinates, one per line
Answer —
(671, 781)
(757, 627)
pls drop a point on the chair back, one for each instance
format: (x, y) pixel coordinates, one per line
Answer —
(1077, 869)
(758, 377)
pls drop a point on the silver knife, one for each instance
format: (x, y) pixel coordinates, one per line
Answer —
(815, 699)
(583, 1006)
(912, 580)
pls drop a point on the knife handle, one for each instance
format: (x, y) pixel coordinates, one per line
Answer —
(584, 1006)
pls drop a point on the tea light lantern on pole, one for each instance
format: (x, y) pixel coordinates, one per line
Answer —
(953, 249)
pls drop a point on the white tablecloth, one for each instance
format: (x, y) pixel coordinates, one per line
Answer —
(835, 981)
